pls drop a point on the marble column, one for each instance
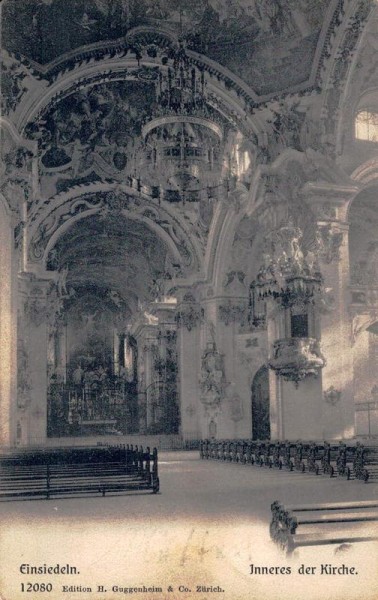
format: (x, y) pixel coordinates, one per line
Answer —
(145, 336)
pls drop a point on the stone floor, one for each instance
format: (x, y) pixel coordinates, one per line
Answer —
(207, 526)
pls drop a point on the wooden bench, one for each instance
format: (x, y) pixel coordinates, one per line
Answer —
(315, 457)
(46, 474)
(344, 460)
(349, 460)
(287, 455)
(322, 524)
(365, 462)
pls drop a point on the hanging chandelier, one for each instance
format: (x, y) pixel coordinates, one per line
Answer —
(183, 139)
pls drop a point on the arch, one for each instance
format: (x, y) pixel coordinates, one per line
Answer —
(17, 139)
(225, 223)
(247, 203)
(58, 214)
(366, 173)
(88, 74)
(260, 405)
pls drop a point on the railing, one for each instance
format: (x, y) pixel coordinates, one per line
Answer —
(108, 407)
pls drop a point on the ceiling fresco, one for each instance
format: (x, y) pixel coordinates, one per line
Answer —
(93, 130)
(105, 114)
(120, 259)
(270, 44)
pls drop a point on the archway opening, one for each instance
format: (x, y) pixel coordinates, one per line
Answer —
(106, 268)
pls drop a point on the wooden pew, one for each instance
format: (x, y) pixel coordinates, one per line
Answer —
(349, 460)
(313, 457)
(288, 454)
(344, 461)
(277, 461)
(322, 524)
(46, 474)
(365, 462)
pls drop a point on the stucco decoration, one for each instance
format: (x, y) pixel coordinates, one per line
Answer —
(90, 134)
(329, 242)
(13, 86)
(35, 311)
(332, 396)
(213, 379)
(23, 376)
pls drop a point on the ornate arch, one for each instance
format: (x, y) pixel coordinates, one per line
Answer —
(367, 173)
(274, 190)
(229, 100)
(55, 216)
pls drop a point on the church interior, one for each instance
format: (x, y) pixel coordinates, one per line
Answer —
(189, 249)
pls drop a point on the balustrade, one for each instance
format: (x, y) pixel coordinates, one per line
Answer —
(100, 407)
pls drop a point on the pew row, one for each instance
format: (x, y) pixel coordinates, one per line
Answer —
(56, 473)
(352, 460)
(323, 524)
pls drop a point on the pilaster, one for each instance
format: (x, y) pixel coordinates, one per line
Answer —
(189, 317)
(8, 329)
(32, 360)
(330, 205)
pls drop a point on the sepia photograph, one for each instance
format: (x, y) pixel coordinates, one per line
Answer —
(189, 300)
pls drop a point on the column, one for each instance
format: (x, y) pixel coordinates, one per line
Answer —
(295, 403)
(33, 356)
(229, 312)
(290, 284)
(188, 347)
(333, 251)
(149, 350)
(146, 339)
(8, 319)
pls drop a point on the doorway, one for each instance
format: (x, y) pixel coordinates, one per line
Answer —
(261, 405)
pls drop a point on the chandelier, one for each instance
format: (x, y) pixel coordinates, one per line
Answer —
(183, 140)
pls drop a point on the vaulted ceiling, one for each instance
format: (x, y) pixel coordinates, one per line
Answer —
(83, 83)
(270, 45)
(116, 258)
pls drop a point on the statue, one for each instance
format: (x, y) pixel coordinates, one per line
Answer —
(62, 281)
(77, 375)
(212, 381)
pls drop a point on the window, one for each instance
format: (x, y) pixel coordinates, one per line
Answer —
(367, 126)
